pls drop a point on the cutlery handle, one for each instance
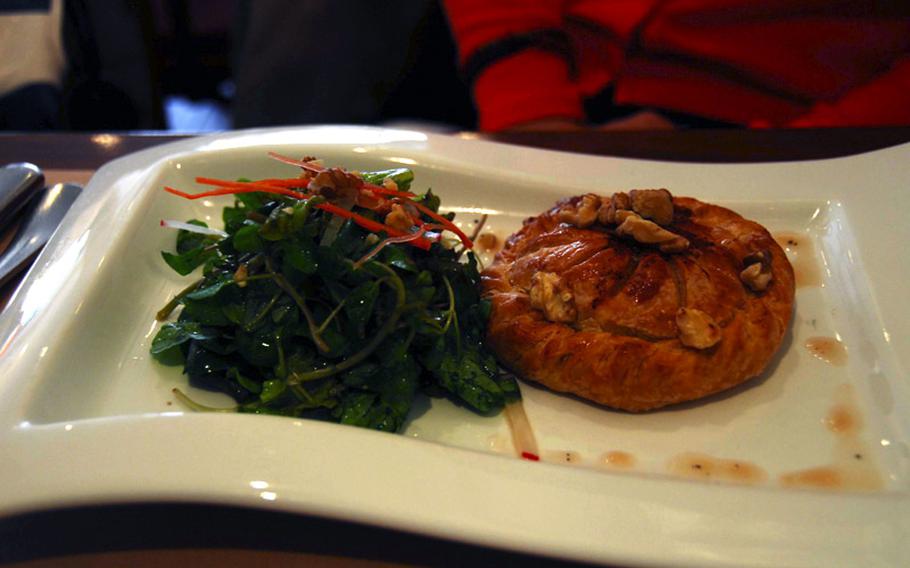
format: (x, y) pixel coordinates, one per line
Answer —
(40, 223)
(18, 184)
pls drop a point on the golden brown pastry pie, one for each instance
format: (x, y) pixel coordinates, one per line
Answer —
(639, 300)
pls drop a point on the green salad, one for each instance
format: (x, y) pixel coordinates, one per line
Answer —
(332, 295)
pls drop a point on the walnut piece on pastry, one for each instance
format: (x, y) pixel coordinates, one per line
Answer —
(650, 233)
(696, 328)
(642, 214)
(757, 272)
(584, 214)
(653, 204)
(592, 309)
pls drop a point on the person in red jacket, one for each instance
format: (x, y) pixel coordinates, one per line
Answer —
(667, 63)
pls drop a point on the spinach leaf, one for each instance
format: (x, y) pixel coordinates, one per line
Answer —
(166, 344)
(359, 306)
(247, 239)
(210, 371)
(210, 289)
(192, 250)
(383, 402)
(187, 262)
(206, 311)
(464, 376)
(401, 176)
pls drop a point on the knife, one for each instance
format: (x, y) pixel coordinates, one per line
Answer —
(18, 184)
(40, 222)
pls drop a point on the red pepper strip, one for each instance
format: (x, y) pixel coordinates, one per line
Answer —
(231, 191)
(367, 224)
(432, 227)
(231, 187)
(288, 183)
(445, 223)
(386, 191)
(268, 185)
(256, 186)
(530, 456)
(334, 209)
(299, 163)
(370, 225)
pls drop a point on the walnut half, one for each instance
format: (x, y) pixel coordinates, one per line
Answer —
(757, 272)
(650, 233)
(696, 328)
(336, 185)
(653, 204)
(399, 219)
(584, 214)
(607, 214)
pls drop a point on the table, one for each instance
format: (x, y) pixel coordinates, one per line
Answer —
(77, 151)
(205, 535)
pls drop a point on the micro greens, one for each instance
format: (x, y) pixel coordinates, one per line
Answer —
(309, 306)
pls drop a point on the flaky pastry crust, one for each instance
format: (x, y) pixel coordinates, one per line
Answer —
(623, 323)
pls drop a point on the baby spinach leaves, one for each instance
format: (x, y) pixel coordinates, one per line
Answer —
(291, 316)
(193, 250)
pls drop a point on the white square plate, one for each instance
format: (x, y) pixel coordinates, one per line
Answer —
(808, 465)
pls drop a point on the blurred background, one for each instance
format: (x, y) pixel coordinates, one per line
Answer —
(200, 65)
(203, 65)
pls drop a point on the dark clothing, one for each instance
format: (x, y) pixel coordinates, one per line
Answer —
(346, 62)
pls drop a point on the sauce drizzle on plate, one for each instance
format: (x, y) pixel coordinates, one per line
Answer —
(703, 466)
(618, 460)
(801, 254)
(828, 349)
(852, 467)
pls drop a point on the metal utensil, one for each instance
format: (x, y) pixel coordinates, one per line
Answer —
(18, 184)
(39, 224)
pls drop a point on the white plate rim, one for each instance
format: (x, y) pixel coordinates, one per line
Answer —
(464, 495)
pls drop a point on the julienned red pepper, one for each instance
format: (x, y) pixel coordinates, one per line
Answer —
(233, 190)
(386, 191)
(406, 195)
(286, 182)
(256, 185)
(367, 224)
(371, 225)
(232, 187)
